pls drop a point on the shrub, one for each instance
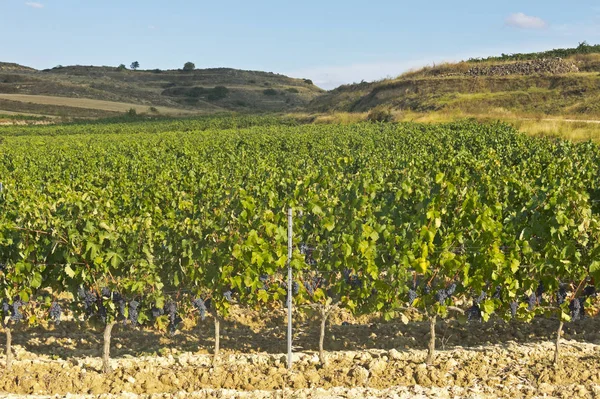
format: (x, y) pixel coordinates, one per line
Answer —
(153, 110)
(218, 93)
(292, 90)
(380, 114)
(252, 81)
(308, 81)
(132, 112)
(270, 92)
(121, 67)
(189, 66)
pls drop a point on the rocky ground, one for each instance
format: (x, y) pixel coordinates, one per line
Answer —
(366, 359)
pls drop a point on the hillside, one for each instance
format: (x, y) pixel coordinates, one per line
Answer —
(89, 91)
(520, 84)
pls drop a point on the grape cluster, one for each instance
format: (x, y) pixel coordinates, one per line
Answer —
(308, 254)
(412, 296)
(2, 267)
(474, 313)
(264, 279)
(89, 299)
(55, 312)
(313, 284)
(201, 306)
(16, 315)
(351, 279)
(540, 291)
(590, 290)
(157, 312)
(497, 293)
(133, 312)
(561, 295)
(444, 294)
(532, 300)
(480, 298)
(227, 295)
(577, 308)
(513, 309)
(122, 304)
(174, 318)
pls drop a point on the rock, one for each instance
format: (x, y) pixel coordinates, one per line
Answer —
(395, 355)
(361, 374)
(377, 366)
(546, 389)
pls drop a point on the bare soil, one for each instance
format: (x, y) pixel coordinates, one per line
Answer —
(366, 358)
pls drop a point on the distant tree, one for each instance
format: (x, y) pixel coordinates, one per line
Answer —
(189, 66)
(135, 65)
(121, 67)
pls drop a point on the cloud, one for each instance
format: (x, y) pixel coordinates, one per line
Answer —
(520, 20)
(34, 4)
(152, 27)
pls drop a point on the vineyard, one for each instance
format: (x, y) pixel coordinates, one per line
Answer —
(156, 227)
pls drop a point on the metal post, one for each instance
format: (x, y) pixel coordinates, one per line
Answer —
(289, 300)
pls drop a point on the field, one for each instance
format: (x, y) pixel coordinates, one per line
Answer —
(439, 260)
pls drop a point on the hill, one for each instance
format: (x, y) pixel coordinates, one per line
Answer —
(535, 84)
(90, 91)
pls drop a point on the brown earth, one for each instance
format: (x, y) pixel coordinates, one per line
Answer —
(367, 358)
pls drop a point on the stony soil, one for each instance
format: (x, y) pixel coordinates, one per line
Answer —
(365, 359)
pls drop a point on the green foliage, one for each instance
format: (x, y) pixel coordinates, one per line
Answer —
(121, 67)
(132, 112)
(582, 48)
(135, 65)
(218, 93)
(147, 209)
(270, 92)
(189, 66)
(292, 90)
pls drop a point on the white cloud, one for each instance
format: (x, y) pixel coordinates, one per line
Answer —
(152, 27)
(34, 4)
(520, 20)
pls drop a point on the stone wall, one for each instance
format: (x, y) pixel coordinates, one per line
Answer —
(553, 66)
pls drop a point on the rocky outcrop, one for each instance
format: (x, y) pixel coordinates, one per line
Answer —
(554, 66)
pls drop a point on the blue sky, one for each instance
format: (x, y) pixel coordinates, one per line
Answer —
(330, 41)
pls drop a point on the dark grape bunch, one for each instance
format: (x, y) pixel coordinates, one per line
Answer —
(89, 299)
(157, 312)
(497, 293)
(122, 304)
(201, 306)
(412, 296)
(227, 295)
(480, 298)
(2, 267)
(444, 294)
(532, 300)
(308, 254)
(474, 312)
(16, 315)
(133, 312)
(561, 296)
(540, 291)
(352, 279)
(577, 308)
(55, 312)
(174, 319)
(313, 284)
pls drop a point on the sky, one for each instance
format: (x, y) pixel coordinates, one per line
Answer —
(332, 42)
